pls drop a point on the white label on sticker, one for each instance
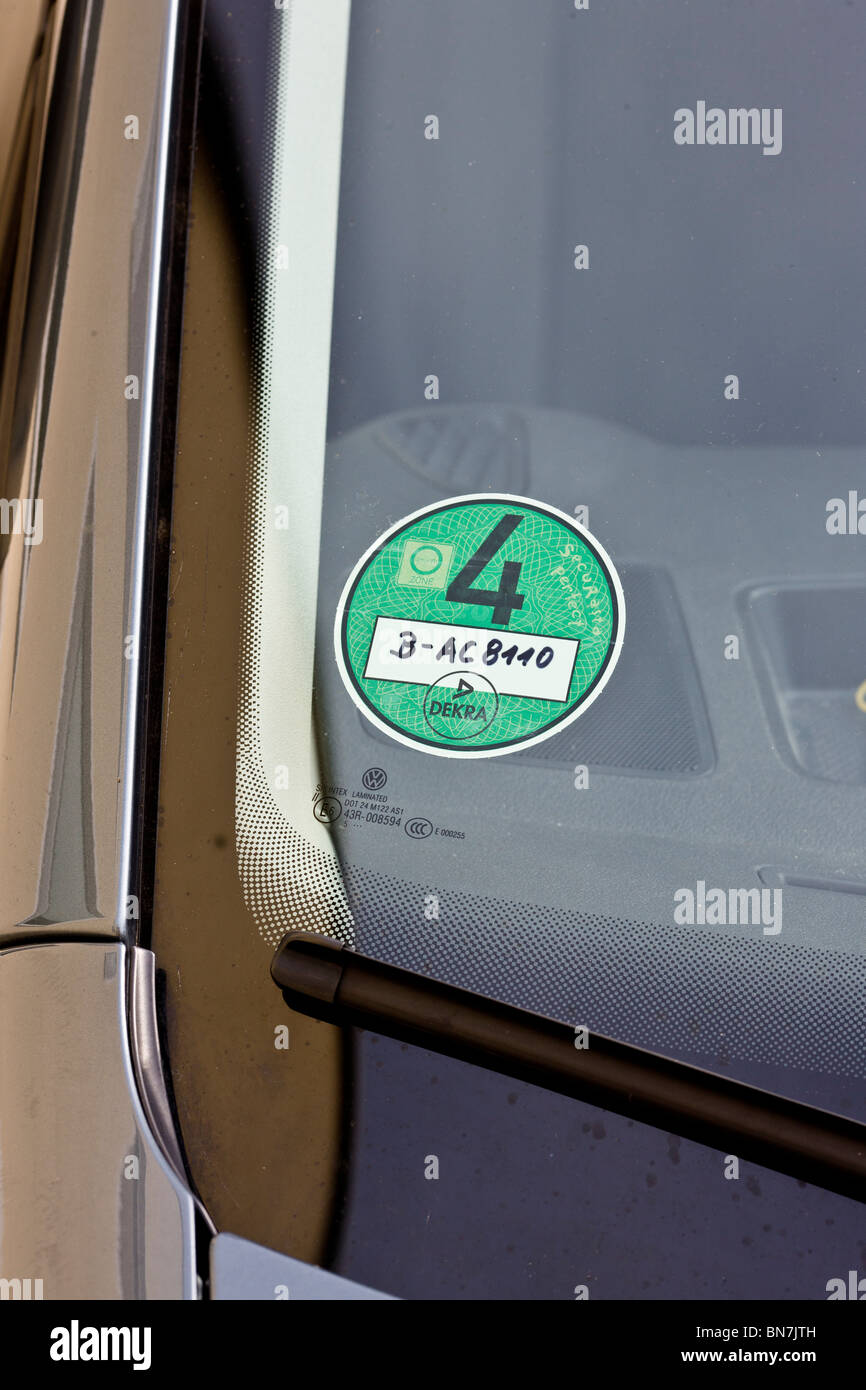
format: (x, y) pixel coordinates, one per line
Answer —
(418, 653)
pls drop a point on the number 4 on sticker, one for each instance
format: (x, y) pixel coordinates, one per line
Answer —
(503, 600)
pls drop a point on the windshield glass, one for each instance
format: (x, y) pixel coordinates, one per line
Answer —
(594, 271)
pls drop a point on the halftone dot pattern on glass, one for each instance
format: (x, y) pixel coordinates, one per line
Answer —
(288, 883)
(671, 989)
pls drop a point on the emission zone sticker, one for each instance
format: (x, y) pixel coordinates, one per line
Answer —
(479, 625)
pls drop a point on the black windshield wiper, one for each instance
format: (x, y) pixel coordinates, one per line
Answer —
(322, 978)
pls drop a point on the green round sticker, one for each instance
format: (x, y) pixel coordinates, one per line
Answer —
(479, 625)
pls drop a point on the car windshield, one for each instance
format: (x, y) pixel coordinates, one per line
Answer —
(621, 278)
(551, 680)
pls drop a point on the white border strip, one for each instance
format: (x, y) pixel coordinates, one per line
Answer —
(276, 716)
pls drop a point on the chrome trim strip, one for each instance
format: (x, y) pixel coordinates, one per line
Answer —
(80, 448)
(146, 1056)
(144, 454)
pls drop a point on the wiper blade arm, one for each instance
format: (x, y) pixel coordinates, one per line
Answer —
(320, 976)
